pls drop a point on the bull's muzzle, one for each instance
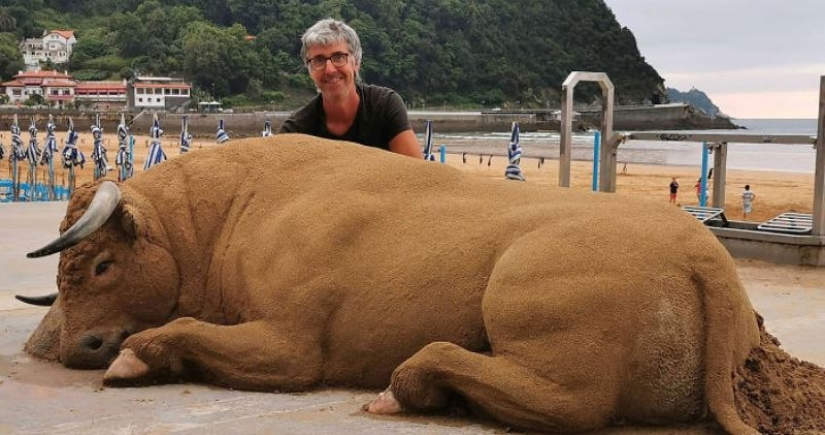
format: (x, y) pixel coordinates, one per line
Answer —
(92, 351)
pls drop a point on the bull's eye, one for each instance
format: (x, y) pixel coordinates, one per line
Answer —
(102, 267)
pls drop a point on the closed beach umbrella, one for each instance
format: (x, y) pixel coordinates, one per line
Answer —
(221, 135)
(428, 142)
(185, 137)
(72, 156)
(99, 151)
(156, 154)
(18, 154)
(513, 171)
(123, 159)
(49, 149)
(267, 129)
(33, 158)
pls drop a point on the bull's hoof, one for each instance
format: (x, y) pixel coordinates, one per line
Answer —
(125, 368)
(384, 404)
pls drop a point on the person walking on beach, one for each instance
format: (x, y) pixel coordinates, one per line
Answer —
(747, 201)
(674, 188)
(346, 108)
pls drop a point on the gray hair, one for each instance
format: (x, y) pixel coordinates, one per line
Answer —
(330, 31)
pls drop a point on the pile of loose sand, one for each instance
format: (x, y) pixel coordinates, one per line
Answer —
(779, 394)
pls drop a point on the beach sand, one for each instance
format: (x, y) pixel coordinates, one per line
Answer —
(776, 192)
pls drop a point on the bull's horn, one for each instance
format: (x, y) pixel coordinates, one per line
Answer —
(40, 301)
(103, 204)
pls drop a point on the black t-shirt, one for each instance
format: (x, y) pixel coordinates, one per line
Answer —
(381, 116)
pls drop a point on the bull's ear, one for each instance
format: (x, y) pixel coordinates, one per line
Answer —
(131, 220)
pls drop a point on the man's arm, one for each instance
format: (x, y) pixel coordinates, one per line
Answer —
(406, 143)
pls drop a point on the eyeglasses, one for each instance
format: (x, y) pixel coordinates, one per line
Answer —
(338, 60)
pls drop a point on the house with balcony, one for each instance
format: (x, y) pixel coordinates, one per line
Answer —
(102, 95)
(56, 88)
(55, 46)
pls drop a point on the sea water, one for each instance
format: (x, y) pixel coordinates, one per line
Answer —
(764, 157)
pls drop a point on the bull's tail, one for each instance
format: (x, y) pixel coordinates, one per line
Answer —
(731, 333)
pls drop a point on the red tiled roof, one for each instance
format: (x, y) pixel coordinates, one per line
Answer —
(58, 83)
(41, 74)
(101, 86)
(68, 34)
(13, 83)
(162, 85)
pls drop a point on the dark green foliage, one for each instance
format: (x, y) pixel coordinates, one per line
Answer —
(11, 60)
(493, 53)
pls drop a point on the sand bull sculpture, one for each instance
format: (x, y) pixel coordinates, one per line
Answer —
(289, 262)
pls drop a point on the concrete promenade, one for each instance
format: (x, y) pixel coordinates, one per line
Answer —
(39, 397)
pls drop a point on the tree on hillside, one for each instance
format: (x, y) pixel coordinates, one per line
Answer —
(219, 60)
(11, 59)
(7, 21)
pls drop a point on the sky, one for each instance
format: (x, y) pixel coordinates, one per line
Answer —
(753, 58)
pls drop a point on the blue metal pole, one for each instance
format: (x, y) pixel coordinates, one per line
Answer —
(597, 139)
(131, 155)
(52, 195)
(443, 151)
(15, 181)
(703, 197)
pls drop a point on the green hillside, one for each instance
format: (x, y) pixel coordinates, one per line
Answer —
(481, 53)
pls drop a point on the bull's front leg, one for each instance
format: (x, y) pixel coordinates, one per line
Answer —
(250, 356)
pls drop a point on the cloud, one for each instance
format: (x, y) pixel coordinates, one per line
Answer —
(782, 104)
(734, 48)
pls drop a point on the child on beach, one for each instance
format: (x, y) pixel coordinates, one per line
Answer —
(674, 188)
(698, 187)
(747, 201)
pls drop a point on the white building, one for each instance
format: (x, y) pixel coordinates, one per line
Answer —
(55, 45)
(160, 93)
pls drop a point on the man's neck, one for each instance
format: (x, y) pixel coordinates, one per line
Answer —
(340, 113)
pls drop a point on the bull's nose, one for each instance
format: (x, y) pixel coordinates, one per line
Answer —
(93, 351)
(91, 342)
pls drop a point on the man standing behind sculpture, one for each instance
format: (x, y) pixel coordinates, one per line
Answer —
(345, 108)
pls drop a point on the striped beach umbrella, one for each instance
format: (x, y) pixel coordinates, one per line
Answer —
(513, 171)
(185, 137)
(428, 142)
(123, 159)
(18, 154)
(221, 135)
(99, 151)
(32, 158)
(156, 154)
(49, 150)
(72, 156)
(267, 129)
